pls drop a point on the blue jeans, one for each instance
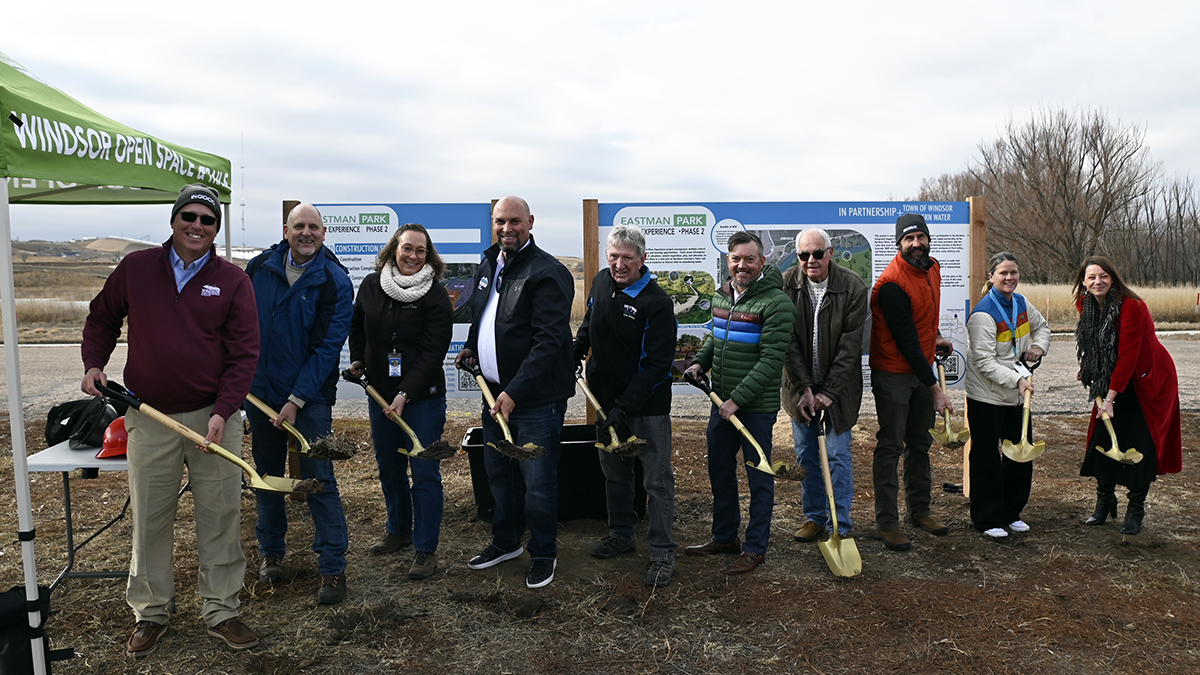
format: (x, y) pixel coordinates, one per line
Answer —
(657, 478)
(416, 509)
(724, 440)
(812, 490)
(269, 446)
(526, 492)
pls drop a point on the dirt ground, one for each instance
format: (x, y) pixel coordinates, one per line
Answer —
(1064, 598)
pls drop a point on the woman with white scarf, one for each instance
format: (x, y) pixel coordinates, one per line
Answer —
(401, 329)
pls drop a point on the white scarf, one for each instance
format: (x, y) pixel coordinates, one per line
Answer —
(405, 288)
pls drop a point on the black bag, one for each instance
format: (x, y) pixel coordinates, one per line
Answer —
(81, 422)
(16, 649)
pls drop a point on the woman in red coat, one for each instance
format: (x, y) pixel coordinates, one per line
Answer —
(1122, 362)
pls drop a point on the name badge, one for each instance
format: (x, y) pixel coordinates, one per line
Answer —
(1023, 371)
(394, 365)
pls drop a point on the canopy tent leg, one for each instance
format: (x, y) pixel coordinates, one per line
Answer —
(16, 423)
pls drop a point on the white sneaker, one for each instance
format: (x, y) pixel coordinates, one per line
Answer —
(996, 533)
(1018, 526)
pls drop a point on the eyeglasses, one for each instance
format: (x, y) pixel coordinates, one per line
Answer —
(189, 217)
(408, 250)
(818, 254)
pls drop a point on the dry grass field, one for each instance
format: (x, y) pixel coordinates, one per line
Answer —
(1064, 598)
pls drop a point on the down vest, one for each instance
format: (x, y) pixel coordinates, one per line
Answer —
(749, 342)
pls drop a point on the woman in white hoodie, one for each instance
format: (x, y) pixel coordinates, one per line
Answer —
(1002, 331)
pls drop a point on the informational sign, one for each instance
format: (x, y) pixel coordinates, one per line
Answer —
(686, 250)
(460, 233)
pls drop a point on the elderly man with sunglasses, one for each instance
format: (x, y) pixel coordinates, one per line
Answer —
(193, 347)
(822, 376)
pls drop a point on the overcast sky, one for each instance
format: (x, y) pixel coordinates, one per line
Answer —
(620, 101)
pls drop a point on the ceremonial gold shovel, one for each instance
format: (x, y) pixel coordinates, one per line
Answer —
(631, 447)
(948, 437)
(326, 447)
(269, 483)
(841, 555)
(505, 445)
(437, 450)
(779, 469)
(1130, 456)
(1024, 451)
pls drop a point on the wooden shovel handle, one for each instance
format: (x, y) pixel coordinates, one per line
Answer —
(288, 426)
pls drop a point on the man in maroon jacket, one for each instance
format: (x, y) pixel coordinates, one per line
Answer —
(193, 347)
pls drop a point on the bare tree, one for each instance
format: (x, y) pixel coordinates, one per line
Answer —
(1068, 184)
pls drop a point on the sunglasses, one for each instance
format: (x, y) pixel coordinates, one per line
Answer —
(818, 254)
(189, 217)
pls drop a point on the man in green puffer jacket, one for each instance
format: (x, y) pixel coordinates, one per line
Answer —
(752, 327)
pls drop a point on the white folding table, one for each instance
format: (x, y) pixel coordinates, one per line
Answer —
(63, 459)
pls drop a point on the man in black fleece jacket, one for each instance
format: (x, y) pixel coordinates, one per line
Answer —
(630, 328)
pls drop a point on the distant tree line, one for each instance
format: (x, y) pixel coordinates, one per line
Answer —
(1069, 184)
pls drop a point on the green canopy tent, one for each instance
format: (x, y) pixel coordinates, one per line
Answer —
(55, 150)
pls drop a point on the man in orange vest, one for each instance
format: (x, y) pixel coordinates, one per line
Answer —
(905, 312)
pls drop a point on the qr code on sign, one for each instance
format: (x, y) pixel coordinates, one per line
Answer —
(466, 382)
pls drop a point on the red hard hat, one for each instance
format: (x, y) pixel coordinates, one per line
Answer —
(115, 439)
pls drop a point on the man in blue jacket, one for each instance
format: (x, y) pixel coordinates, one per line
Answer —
(520, 338)
(305, 301)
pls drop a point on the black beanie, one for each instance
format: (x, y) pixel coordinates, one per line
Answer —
(198, 194)
(908, 223)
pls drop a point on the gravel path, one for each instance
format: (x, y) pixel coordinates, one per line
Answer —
(50, 374)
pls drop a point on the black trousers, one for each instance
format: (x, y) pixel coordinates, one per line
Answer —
(999, 486)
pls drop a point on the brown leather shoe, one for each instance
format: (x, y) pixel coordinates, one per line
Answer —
(332, 590)
(144, 638)
(746, 562)
(809, 532)
(392, 543)
(235, 633)
(713, 547)
(895, 540)
(934, 527)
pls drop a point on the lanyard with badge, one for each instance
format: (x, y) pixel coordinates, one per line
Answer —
(394, 369)
(1020, 367)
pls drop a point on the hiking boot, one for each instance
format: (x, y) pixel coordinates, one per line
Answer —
(235, 633)
(332, 590)
(713, 547)
(492, 556)
(746, 562)
(392, 543)
(271, 569)
(809, 532)
(931, 526)
(659, 573)
(144, 638)
(423, 567)
(541, 572)
(611, 547)
(894, 540)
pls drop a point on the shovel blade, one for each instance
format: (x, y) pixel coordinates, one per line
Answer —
(438, 450)
(284, 485)
(1023, 452)
(942, 437)
(841, 555)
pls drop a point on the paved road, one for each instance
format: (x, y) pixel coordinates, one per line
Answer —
(50, 374)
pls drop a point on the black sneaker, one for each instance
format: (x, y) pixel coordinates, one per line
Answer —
(659, 573)
(541, 572)
(493, 556)
(611, 547)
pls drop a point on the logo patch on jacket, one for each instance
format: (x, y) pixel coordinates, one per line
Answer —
(629, 312)
(209, 291)
(483, 283)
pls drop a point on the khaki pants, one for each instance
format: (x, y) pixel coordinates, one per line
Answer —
(157, 456)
